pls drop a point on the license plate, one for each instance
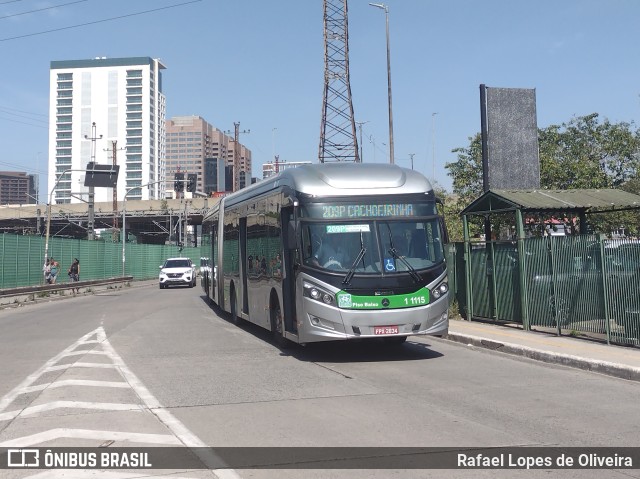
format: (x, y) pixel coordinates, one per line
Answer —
(385, 330)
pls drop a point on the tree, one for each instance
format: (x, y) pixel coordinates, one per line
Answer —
(582, 153)
(467, 171)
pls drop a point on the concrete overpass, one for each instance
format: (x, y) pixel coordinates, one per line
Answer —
(149, 220)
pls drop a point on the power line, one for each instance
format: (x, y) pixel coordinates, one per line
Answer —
(22, 167)
(97, 21)
(10, 1)
(24, 122)
(30, 118)
(41, 9)
(23, 111)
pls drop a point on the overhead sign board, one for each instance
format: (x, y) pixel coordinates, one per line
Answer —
(101, 175)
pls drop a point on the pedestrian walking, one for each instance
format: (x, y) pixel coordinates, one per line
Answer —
(53, 271)
(74, 273)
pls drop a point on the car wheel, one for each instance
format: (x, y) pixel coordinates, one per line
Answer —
(161, 286)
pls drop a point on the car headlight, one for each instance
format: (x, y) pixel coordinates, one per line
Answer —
(318, 294)
(440, 290)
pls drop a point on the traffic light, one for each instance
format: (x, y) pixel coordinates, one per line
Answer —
(192, 182)
(178, 184)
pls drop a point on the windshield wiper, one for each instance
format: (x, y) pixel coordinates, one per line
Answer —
(414, 274)
(394, 252)
(352, 270)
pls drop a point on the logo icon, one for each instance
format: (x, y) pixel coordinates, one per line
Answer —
(389, 265)
(344, 301)
(385, 302)
(23, 458)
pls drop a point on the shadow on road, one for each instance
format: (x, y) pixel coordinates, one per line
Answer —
(365, 350)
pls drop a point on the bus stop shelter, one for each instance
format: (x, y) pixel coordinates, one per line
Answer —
(503, 272)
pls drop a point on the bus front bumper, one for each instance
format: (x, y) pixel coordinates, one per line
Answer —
(325, 323)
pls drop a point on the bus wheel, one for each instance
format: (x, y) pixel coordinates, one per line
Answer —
(277, 325)
(234, 308)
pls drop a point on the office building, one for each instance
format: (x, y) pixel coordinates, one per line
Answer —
(17, 188)
(195, 146)
(123, 97)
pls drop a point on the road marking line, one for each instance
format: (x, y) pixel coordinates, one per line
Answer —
(188, 438)
(75, 382)
(82, 353)
(53, 434)
(50, 406)
(15, 392)
(79, 365)
(182, 435)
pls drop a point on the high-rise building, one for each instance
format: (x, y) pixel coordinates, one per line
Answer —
(214, 176)
(17, 188)
(195, 146)
(124, 98)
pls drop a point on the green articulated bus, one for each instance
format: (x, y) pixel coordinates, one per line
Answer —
(333, 251)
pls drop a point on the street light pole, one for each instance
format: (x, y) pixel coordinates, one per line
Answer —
(46, 242)
(273, 143)
(386, 12)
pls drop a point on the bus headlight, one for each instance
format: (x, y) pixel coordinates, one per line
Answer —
(440, 290)
(316, 293)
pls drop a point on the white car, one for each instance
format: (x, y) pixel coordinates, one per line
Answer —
(177, 271)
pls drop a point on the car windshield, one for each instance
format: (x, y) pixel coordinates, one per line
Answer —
(378, 246)
(177, 263)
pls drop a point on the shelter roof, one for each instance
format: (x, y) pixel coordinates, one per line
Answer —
(585, 200)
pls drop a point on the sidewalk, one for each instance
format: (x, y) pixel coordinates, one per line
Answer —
(619, 361)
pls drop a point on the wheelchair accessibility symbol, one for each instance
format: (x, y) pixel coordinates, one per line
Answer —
(389, 265)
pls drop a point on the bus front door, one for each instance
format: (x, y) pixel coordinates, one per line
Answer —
(289, 271)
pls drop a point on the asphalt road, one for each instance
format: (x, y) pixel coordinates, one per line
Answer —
(161, 367)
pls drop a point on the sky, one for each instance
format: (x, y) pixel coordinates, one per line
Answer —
(261, 63)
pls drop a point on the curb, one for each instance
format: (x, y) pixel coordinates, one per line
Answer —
(602, 367)
(22, 300)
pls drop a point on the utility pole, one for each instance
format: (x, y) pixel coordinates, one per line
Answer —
(433, 145)
(236, 156)
(91, 207)
(411, 155)
(114, 159)
(338, 141)
(360, 123)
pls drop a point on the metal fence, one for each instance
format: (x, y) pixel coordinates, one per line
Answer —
(572, 284)
(22, 259)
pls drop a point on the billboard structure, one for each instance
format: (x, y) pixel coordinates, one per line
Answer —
(510, 158)
(101, 175)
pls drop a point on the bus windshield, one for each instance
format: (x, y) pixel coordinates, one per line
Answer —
(373, 247)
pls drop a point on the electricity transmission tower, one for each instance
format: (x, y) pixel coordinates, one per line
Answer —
(338, 140)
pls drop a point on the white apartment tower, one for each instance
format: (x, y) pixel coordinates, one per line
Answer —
(123, 97)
